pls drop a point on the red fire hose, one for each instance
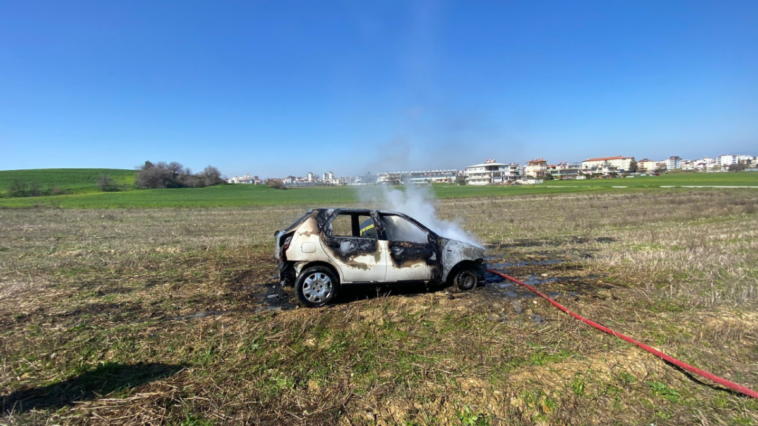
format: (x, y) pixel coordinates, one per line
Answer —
(680, 364)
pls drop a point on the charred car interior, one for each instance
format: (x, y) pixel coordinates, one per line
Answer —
(327, 248)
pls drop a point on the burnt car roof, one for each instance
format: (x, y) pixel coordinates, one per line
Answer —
(356, 210)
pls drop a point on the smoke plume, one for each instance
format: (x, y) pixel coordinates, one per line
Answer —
(417, 202)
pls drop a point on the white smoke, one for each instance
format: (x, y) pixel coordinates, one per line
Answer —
(417, 202)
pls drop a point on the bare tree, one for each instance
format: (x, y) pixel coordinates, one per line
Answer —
(174, 175)
(175, 169)
(211, 176)
(275, 183)
(151, 177)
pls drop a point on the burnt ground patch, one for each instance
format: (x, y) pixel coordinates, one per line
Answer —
(106, 378)
(111, 311)
(90, 312)
(551, 241)
(101, 286)
(559, 276)
(352, 293)
(258, 291)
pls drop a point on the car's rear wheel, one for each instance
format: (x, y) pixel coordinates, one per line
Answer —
(316, 286)
(466, 279)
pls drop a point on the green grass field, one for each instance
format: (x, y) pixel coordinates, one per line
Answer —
(82, 184)
(74, 181)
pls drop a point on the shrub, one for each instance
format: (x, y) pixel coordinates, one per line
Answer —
(23, 189)
(275, 183)
(35, 190)
(106, 183)
(54, 190)
(17, 189)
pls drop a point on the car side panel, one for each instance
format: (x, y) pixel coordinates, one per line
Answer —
(360, 267)
(409, 262)
(306, 247)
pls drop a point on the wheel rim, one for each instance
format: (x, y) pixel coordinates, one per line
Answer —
(466, 280)
(317, 287)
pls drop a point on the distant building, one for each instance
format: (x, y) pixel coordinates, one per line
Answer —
(673, 163)
(536, 168)
(310, 177)
(367, 179)
(705, 163)
(564, 170)
(620, 163)
(491, 172)
(329, 179)
(726, 160)
(688, 164)
(646, 165)
(417, 177)
(730, 159)
(247, 179)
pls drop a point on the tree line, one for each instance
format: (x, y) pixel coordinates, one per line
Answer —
(174, 175)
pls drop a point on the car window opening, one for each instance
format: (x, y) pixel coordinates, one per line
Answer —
(400, 229)
(351, 225)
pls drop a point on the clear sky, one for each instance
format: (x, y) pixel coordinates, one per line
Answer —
(276, 87)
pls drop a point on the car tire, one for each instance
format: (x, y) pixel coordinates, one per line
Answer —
(466, 279)
(316, 286)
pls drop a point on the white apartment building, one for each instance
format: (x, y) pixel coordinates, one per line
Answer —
(649, 165)
(417, 177)
(564, 170)
(491, 172)
(251, 180)
(619, 162)
(728, 160)
(705, 163)
(673, 163)
(536, 168)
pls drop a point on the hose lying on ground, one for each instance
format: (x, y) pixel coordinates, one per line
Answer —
(680, 364)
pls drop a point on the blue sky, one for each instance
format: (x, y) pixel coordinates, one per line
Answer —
(275, 87)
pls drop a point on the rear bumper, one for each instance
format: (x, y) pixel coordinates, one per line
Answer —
(287, 273)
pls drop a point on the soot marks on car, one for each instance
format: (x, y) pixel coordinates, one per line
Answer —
(329, 248)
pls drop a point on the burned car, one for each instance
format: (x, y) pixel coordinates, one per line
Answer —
(327, 248)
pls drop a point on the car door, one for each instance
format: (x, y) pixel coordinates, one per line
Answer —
(359, 256)
(411, 255)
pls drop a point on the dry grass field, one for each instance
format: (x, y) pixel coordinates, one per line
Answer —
(172, 316)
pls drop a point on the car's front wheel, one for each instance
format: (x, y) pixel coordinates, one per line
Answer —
(466, 278)
(316, 286)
